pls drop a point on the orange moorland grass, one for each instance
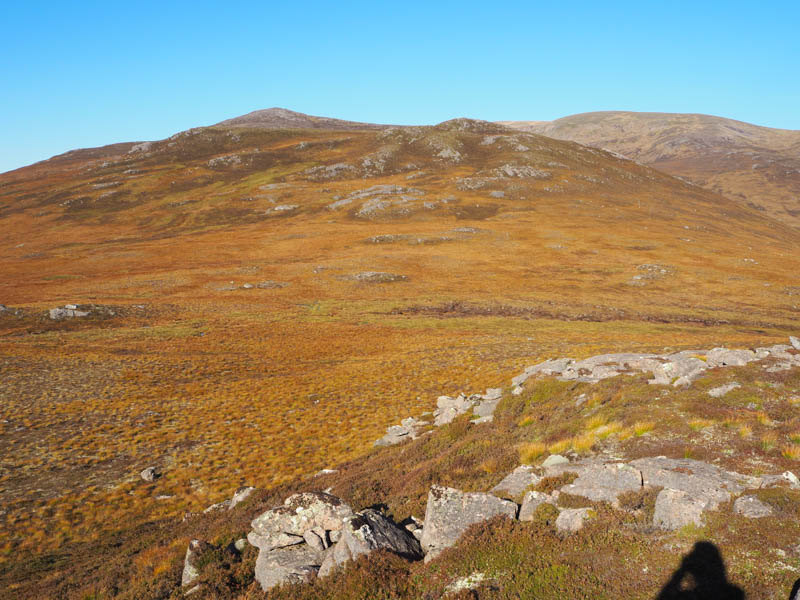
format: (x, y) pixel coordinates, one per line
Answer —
(220, 385)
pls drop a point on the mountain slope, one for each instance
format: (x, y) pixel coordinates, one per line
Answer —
(759, 166)
(264, 302)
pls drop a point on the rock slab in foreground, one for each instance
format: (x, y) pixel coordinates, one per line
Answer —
(294, 564)
(450, 512)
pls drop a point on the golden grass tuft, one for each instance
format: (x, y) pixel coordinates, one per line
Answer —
(768, 441)
(530, 451)
(584, 443)
(609, 429)
(642, 427)
(560, 446)
(795, 437)
(791, 452)
(744, 430)
(525, 421)
(698, 424)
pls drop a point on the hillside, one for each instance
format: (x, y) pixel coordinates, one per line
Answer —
(758, 166)
(260, 303)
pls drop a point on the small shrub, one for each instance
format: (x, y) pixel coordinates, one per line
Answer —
(566, 500)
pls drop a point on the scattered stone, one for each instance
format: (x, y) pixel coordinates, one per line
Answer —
(676, 508)
(450, 512)
(517, 481)
(555, 460)
(720, 391)
(497, 194)
(751, 507)
(240, 544)
(531, 502)
(242, 494)
(795, 342)
(248, 286)
(367, 531)
(150, 474)
(571, 519)
(194, 553)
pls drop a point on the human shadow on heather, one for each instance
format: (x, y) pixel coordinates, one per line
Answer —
(701, 576)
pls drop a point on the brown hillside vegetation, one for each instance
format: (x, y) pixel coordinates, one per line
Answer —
(272, 299)
(758, 166)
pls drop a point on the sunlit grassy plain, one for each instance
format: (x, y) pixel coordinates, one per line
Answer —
(224, 387)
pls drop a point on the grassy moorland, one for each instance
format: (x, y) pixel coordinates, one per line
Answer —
(502, 248)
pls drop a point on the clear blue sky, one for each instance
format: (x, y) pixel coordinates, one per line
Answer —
(79, 74)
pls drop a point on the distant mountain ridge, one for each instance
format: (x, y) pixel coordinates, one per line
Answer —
(754, 164)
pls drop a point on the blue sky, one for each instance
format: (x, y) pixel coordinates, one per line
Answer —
(80, 74)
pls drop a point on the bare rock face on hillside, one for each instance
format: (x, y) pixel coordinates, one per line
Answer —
(450, 512)
(195, 552)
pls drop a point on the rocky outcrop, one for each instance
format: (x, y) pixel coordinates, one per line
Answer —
(676, 369)
(240, 495)
(292, 539)
(450, 512)
(409, 429)
(366, 531)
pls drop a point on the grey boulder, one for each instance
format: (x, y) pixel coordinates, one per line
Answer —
(294, 564)
(517, 481)
(365, 532)
(531, 502)
(450, 512)
(571, 520)
(285, 525)
(605, 482)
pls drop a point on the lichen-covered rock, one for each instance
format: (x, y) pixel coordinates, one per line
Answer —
(517, 481)
(676, 508)
(723, 357)
(366, 531)
(605, 482)
(294, 564)
(194, 553)
(702, 481)
(450, 512)
(751, 507)
(571, 519)
(285, 525)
